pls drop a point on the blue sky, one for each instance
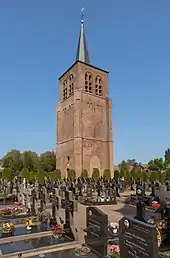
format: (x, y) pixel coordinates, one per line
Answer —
(130, 38)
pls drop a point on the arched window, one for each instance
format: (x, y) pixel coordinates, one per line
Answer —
(98, 86)
(65, 90)
(71, 84)
(88, 82)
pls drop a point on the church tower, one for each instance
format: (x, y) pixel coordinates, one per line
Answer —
(84, 116)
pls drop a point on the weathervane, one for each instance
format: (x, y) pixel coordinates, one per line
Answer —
(82, 15)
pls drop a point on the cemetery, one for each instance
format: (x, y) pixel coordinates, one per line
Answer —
(32, 225)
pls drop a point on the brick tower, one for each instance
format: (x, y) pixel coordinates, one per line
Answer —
(84, 116)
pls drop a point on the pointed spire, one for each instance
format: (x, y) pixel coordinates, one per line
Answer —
(82, 52)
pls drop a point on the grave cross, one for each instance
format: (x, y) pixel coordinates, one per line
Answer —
(163, 194)
(70, 206)
(56, 203)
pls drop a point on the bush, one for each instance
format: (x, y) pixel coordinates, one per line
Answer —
(107, 173)
(71, 174)
(116, 174)
(84, 173)
(96, 173)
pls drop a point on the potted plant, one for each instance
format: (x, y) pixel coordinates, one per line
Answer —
(57, 231)
(29, 223)
(44, 216)
(7, 228)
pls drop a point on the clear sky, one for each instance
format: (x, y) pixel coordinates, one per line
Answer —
(130, 38)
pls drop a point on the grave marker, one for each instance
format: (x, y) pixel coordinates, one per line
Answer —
(137, 239)
(97, 231)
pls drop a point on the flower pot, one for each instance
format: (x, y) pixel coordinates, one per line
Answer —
(29, 228)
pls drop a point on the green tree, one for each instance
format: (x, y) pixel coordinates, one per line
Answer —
(71, 174)
(145, 175)
(40, 176)
(84, 173)
(154, 175)
(57, 173)
(167, 173)
(133, 173)
(7, 174)
(127, 176)
(24, 173)
(162, 176)
(156, 164)
(131, 162)
(116, 174)
(95, 173)
(107, 173)
(31, 177)
(30, 160)
(12, 160)
(167, 156)
(48, 161)
(123, 168)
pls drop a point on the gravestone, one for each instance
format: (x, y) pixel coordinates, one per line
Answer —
(137, 239)
(97, 231)
(140, 211)
(56, 203)
(70, 206)
(112, 195)
(89, 191)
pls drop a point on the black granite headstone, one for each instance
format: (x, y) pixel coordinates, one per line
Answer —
(97, 231)
(137, 239)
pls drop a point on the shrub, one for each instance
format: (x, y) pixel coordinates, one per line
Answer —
(107, 173)
(71, 174)
(96, 173)
(84, 173)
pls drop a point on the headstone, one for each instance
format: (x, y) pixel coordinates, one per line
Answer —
(70, 206)
(97, 231)
(56, 203)
(140, 211)
(112, 195)
(137, 239)
(89, 191)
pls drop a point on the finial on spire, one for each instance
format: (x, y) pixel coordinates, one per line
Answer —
(82, 52)
(82, 15)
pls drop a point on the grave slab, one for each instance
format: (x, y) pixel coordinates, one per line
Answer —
(29, 244)
(23, 231)
(70, 253)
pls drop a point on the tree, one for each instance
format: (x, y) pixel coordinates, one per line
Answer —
(133, 173)
(84, 173)
(107, 173)
(24, 173)
(30, 160)
(127, 176)
(116, 174)
(7, 174)
(157, 164)
(57, 173)
(123, 168)
(40, 176)
(162, 177)
(48, 161)
(131, 162)
(95, 173)
(31, 178)
(145, 175)
(167, 173)
(71, 174)
(167, 156)
(154, 175)
(12, 160)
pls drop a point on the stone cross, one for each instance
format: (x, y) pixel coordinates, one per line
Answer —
(70, 206)
(163, 194)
